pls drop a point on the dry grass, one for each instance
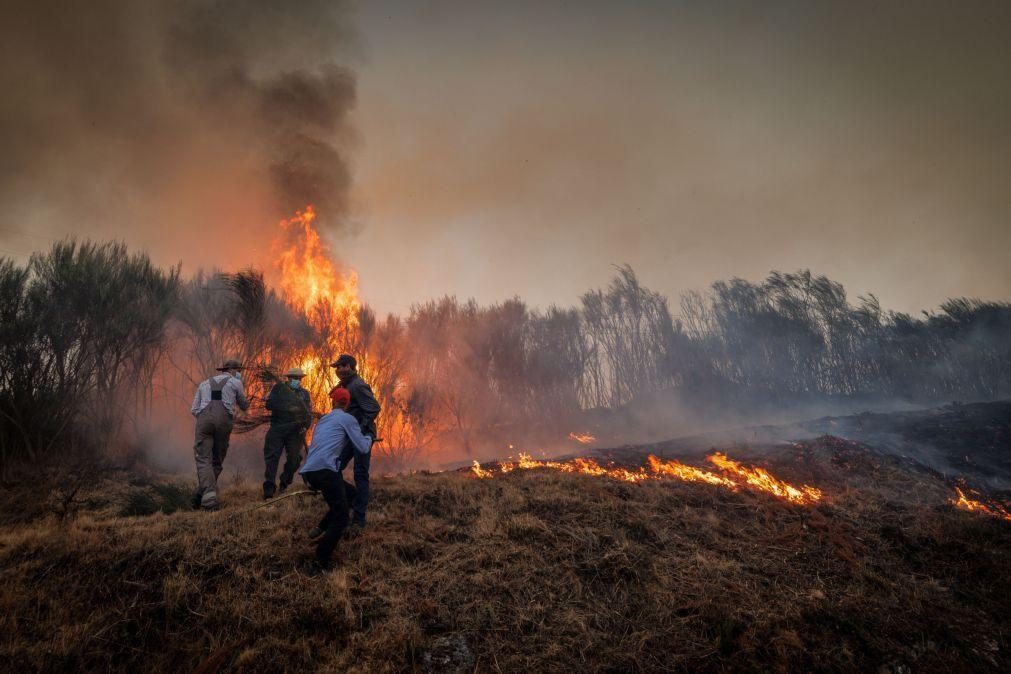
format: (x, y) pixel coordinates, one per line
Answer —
(530, 571)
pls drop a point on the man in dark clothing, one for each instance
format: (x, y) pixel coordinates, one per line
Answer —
(290, 416)
(333, 433)
(364, 408)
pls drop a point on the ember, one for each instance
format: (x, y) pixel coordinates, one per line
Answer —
(582, 438)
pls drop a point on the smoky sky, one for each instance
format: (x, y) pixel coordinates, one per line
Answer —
(495, 149)
(525, 148)
(189, 126)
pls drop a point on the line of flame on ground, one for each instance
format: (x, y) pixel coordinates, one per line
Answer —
(582, 438)
(972, 505)
(656, 468)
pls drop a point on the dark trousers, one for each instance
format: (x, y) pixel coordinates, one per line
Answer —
(361, 473)
(335, 492)
(282, 437)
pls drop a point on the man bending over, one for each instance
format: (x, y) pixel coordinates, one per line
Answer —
(334, 433)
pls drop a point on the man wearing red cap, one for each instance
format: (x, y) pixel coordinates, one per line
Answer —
(365, 408)
(334, 433)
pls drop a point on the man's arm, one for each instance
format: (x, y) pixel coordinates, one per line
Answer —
(195, 407)
(362, 443)
(367, 402)
(240, 395)
(305, 413)
(273, 399)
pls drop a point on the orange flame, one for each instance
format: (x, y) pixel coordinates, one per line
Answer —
(761, 479)
(312, 283)
(582, 438)
(687, 473)
(966, 503)
(755, 478)
(309, 278)
(480, 472)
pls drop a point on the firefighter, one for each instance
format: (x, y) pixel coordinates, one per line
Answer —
(214, 408)
(290, 409)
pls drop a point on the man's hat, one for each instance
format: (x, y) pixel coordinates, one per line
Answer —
(294, 373)
(230, 365)
(345, 359)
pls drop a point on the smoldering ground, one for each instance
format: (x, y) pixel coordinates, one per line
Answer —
(191, 126)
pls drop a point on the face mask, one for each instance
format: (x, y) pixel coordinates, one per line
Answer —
(238, 375)
(295, 383)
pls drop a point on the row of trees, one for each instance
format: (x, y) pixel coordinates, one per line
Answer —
(91, 336)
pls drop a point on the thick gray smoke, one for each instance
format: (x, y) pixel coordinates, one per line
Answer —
(173, 123)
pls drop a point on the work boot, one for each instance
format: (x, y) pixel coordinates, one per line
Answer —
(280, 489)
(268, 490)
(316, 533)
(209, 500)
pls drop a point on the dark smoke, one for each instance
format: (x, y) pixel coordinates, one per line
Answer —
(200, 114)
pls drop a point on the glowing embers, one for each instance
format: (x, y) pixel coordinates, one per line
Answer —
(992, 509)
(735, 475)
(582, 438)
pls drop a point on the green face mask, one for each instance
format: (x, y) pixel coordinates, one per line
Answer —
(295, 383)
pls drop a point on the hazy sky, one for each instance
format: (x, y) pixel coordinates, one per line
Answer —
(522, 148)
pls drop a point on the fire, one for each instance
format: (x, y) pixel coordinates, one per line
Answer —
(656, 469)
(309, 278)
(762, 480)
(480, 472)
(582, 438)
(993, 510)
(680, 471)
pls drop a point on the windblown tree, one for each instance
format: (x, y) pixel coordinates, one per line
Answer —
(83, 326)
(630, 331)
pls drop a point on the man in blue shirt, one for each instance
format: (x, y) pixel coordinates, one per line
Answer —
(334, 433)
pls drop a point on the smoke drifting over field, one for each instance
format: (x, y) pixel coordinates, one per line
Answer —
(173, 118)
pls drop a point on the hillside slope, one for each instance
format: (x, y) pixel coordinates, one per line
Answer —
(531, 570)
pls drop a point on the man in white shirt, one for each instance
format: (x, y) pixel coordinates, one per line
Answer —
(214, 408)
(333, 433)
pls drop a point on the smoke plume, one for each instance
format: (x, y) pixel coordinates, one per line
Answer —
(184, 126)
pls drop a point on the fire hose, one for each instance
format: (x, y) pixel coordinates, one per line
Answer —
(273, 501)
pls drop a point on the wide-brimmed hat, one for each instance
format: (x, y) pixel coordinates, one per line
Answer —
(230, 365)
(295, 373)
